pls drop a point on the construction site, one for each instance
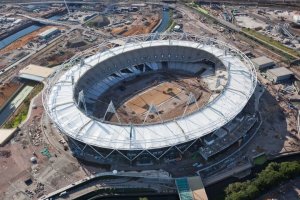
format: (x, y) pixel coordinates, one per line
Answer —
(38, 160)
(165, 91)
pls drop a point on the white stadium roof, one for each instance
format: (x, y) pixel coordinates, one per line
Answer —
(72, 121)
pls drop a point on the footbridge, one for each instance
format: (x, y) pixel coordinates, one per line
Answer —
(47, 21)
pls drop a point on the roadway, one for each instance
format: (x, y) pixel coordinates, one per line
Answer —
(46, 21)
(160, 177)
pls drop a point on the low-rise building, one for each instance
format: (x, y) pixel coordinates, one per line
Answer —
(279, 74)
(35, 72)
(48, 33)
(263, 63)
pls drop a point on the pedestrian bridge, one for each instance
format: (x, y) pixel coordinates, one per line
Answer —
(47, 21)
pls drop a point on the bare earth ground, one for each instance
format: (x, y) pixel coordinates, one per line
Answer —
(139, 26)
(7, 90)
(48, 174)
(168, 94)
(274, 136)
(24, 40)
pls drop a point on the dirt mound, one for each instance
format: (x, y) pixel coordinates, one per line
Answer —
(99, 22)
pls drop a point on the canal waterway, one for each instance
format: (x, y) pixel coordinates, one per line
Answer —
(10, 39)
(164, 22)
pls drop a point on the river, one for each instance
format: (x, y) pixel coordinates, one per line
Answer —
(10, 39)
(164, 22)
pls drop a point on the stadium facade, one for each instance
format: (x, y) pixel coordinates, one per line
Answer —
(77, 85)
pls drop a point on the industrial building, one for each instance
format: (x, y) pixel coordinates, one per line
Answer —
(279, 74)
(263, 63)
(35, 73)
(48, 33)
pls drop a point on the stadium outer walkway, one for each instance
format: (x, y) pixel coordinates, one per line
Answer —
(191, 188)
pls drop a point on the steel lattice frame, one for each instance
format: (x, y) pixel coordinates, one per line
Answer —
(108, 47)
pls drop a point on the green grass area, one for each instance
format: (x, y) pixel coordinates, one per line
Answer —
(290, 53)
(202, 10)
(259, 160)
(171, 23)
(197, 7)
(273, 175)
(22, 111)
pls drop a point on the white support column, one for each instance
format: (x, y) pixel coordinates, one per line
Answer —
(153, 110)
(72, 79)
(82, 63)
(191, 99)
(82, 100)
(111, 109)
(132, 132)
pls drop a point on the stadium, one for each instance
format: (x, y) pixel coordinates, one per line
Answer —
(152, 98)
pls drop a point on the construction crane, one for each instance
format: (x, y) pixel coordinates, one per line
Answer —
(67, 7)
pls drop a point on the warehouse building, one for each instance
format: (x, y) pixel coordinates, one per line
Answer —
(263, 63)
(280, 74)
(35, 72)
(48, 33)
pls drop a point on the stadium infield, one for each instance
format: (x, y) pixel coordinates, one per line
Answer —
(168, 93)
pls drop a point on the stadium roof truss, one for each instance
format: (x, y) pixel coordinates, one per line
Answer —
(60, 105)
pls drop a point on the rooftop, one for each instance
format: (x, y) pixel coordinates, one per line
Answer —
(262, 60)
(48, 31)
(280, 71)
(6, 134)
(35, 72)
